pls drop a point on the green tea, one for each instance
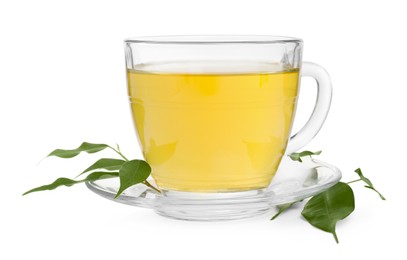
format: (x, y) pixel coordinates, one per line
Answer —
(210, 132)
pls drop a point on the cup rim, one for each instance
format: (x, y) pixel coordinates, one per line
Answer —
(213, 39)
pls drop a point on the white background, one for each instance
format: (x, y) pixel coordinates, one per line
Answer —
(62, 82)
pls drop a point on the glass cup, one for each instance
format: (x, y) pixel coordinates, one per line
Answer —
(213, 114)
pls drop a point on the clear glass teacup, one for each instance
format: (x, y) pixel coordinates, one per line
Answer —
(214, 114)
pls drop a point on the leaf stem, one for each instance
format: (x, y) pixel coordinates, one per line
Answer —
(353, 181)
(151, 186)
(119, 153)
(336, 237)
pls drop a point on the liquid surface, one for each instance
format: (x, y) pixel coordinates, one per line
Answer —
(212, 131)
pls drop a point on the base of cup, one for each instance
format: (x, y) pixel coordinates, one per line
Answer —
(200, 215)
(195, 206)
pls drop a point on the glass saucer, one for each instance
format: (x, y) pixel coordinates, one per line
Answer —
(293, 181)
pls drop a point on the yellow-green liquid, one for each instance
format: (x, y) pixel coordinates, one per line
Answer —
(213, 132)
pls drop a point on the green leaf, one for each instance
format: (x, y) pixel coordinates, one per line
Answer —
(282, 208)
(297, 156)
(84, 147)
(69, 182)
(381, 196)
(368, 182)
(363, 178)
(104, 164)
(325, 209)
(132, 173)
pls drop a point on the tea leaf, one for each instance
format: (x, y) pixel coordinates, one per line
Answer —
(297, 156)
(104, 164)
(84, 147)
(381, 196)
(282, 208)
(368, 182)
(363, 178)
(69, 182)
(325, 209)
(132, 173)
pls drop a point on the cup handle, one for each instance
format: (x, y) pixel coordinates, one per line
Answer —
(318, 116)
